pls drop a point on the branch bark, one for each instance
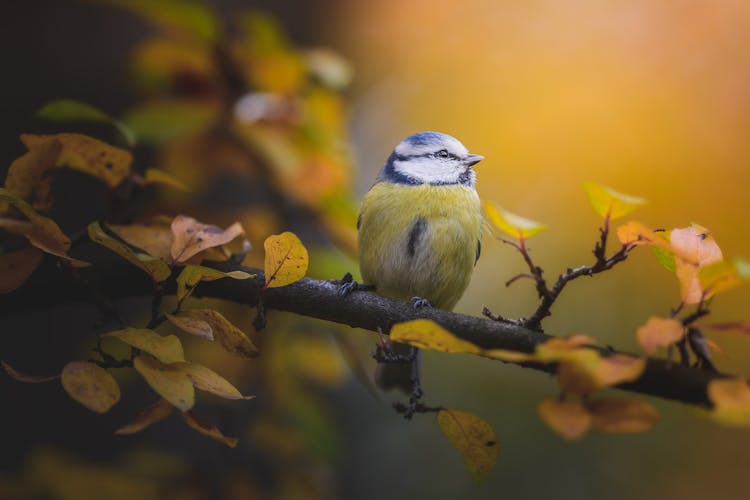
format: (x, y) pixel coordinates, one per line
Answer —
(321, 299)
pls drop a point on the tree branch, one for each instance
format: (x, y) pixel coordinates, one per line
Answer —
(321, 299)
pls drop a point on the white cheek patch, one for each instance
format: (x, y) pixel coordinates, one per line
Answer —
(428, 170)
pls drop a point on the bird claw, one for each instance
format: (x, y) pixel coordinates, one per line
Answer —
(347, 285)
(419, 302)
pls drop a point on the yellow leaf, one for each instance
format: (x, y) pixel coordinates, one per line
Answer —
(731, 400)
(208, 380)
(42, 232)
(155, 267)
(17, 266)
(511, 224)
(509, 356)
(185, 321)
(166, 349)
(205, 427)
(659, 332)
(721, 276)
(87, 155)
(569, 419)
(23, 377)
(426, 334)
(622, 415)
(229, 336)
(609, 203)
(191, 275)
(565, 348)
(286, 259)
(156, 176)
(151, 415)
(155, 238)
(578, 375)
(189, 237)
(168, 381)
(473, 438)
(90, 385)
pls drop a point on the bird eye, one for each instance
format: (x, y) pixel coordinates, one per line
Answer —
(443, 153)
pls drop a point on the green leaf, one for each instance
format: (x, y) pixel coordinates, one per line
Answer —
(665, 258)
(610, 203)
(63, 110)
(163, 121)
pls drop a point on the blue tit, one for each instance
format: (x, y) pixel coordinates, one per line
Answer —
(420, 226)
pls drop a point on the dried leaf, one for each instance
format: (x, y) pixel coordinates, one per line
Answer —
(286, 259)
(185, 321)
(167, 349)
(569, 419)
(87, 155)
(618, 369)
(731, 400)
(694, 248)
(473, 438)
(426, 334)
(62, 110)
(659, 332)
(207, 428)
(229, 336)
(151, 415)
(191, 237)
(191, 275)
(155, 267)
(43, 232)
(155, 238)
(609, 203)
(90, 385)
(170, 382)
(27, 171)
(622, 415)
(17, 266)
(207, 380)
(572, 348)
(511, 224)
(23, 377)
(585, 374)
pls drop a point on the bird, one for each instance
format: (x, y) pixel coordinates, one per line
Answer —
(420, 230)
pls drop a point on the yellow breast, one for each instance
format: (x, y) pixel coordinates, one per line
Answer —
(419, 240)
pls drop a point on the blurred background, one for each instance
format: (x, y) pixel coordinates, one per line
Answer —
(649, 97)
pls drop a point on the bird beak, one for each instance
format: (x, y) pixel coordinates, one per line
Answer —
(471, 160)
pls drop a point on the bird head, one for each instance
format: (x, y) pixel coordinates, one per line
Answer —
(430, 158)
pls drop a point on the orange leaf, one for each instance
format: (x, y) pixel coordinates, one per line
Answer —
(190, 237)
(151, 415)
(659, 332)
(90, 385)
(23, 377)
(731, 400)
(694, 248)
(635, 233)
(207, 428)
(17, 266)
(569, 419)
(619, 368)
(622, 415)
(286, 259)
(473, 438)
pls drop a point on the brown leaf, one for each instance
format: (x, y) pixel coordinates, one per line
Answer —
(23, 377)
(168, 381)
(569, 419)
(17, 266)
(151, 415)
(659, 332)
(473, 438)
(229, 336)
(207, 428)
(189, 237)
(87, 155)
(622, 415)
(286, 259)
(90, 385)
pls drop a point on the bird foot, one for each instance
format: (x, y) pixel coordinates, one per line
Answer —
(419, 302)
(347, 285)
